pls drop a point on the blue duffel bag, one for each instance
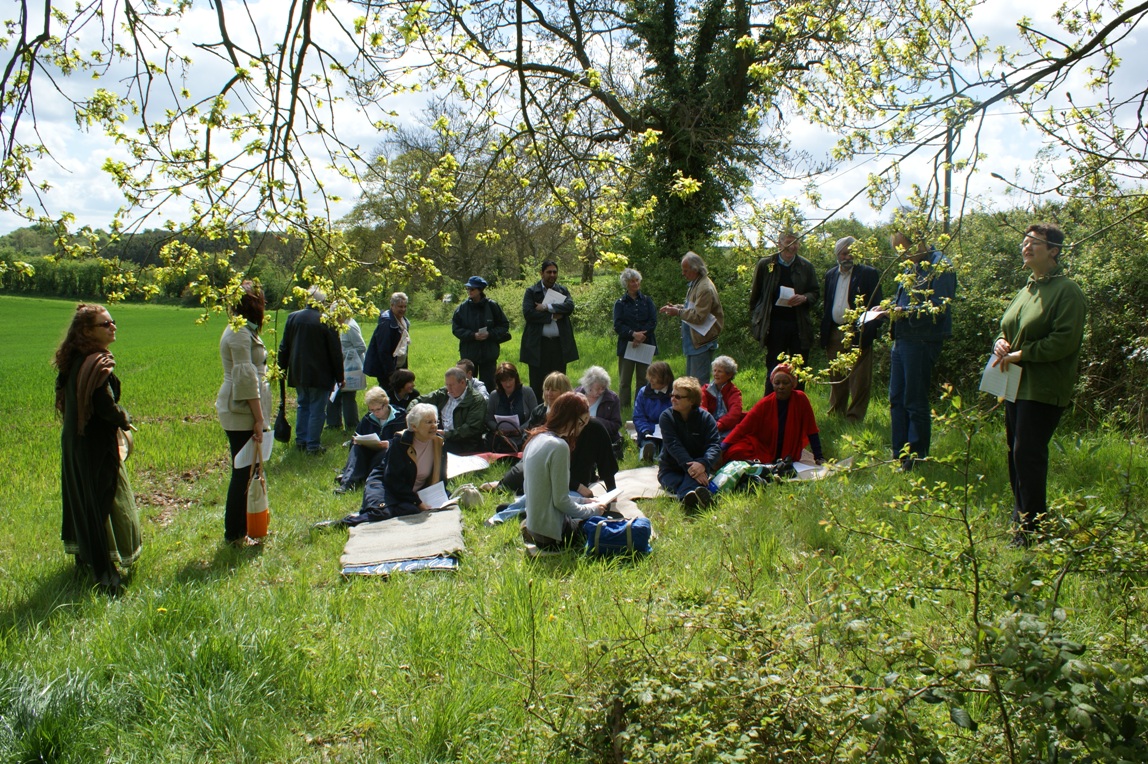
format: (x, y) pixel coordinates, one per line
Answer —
(606, 536)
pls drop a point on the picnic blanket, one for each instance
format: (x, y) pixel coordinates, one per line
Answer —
(415, 542)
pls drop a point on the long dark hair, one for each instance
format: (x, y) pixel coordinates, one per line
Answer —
(76, 345)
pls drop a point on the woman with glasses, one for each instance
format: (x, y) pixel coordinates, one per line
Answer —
(100, 525)
(553, 516)
(691, 447)
(382, 422)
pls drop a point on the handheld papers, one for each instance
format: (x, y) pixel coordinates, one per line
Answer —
(370, 437)
(457, 464)
(435, 496)
(553, 297)
(784, 296)
(641, 354)
(1002, 384)
(247, 454)
(704, 326)
(506, 422)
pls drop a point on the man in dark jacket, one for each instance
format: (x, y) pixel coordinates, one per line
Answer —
(481, 326)
(548, 339)
(387, 352)
(850, 286)
(786, 327)
(311, 356)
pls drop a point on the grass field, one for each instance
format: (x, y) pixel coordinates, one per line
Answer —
(216, 654)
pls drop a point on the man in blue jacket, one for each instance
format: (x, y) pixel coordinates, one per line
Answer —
(313, 359)
(922, 319)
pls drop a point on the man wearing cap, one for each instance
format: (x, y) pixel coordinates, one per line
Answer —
(850, 286)
(481, 326)
(548, 339)
(783, 325)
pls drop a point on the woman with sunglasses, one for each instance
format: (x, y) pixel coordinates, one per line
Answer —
(100, 525)
(553, 516)
(691, 446)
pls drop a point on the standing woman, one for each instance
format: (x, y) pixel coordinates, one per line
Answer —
(100, 525)
(635, 319)
(553, 516)
(243, 403)
(1041, 331)
(345, 407)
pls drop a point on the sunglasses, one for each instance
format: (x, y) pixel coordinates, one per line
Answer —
(677, 397)
(106, 324)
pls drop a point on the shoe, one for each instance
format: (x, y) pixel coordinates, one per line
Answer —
(690, 500)
(648, 452)
(317, 451)
(502, 506)
(705, 498)
(343, 489)
(907, 464)
(489, 486)
(1021, 540)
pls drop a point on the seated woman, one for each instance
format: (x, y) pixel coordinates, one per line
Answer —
(510, 399)
(416, 458)
(652, 400)
(778, 426)
(721, 396)
(553, 516)
(592, 460)
(383, 420)
(605, 405)
(691, 447)
(403, 383)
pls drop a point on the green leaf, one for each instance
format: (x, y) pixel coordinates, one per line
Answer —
(961, 718)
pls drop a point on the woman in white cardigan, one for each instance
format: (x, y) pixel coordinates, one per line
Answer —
(243, 403)
(553, 516)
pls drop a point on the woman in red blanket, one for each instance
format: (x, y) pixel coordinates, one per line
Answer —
(778, 426)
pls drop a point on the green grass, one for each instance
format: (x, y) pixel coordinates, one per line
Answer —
(215, 654)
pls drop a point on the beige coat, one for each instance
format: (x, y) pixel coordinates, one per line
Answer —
(244, 378)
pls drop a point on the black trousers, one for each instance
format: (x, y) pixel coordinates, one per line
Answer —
(783, 338)
(1029, 426)
(235, 513)
(550, 351)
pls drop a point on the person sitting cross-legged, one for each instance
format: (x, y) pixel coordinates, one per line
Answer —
(462, 413)
(691, 447)
(779, 426)
(382, 420)
(416, 458)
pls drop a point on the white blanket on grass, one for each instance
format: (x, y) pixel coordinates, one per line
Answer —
(414, 537)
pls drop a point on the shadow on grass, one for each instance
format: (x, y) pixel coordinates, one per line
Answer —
(63, 588)
(223, 564)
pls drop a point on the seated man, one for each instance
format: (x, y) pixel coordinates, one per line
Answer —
(462, 413)
(778, 426)
(475, 383)
(383, 420)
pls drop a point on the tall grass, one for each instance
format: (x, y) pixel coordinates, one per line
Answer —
(216, 654)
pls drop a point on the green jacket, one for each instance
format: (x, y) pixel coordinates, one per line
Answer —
(1045, 322)
(469, 416)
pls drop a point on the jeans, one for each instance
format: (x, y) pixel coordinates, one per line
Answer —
(518, 507)
(699, 366)
(309, 416)
(1029, 426)
(910, 375)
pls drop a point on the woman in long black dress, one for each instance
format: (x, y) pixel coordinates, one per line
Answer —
(100, 524)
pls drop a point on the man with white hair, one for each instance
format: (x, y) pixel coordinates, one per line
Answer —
(313, 359)
(850, 286)
(462, 413)
(699, 334)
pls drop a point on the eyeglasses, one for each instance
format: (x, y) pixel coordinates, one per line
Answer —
(677, 397)
(106, 324)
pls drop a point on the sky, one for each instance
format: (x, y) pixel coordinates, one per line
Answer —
(80, 185)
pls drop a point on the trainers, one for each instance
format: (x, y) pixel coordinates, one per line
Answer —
(690, 500)
(705, 498)
(647, 451)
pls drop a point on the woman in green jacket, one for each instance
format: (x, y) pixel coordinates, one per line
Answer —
(1041, 331)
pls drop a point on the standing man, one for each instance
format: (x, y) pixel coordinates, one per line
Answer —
(387, 352)
(548, 340)
(313, 359)
(481, 326)
(922, 319)
(849, 286)
(701, 304)
(783, 325)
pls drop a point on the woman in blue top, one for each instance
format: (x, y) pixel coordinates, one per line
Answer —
(652, 400)
(635, 318)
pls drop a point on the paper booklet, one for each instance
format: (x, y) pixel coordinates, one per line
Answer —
(641, 354)
(436, 497)
(704, 326)
(553, 297)
(1002, 384)
(370, 437)
(247, 454)
(783, 297)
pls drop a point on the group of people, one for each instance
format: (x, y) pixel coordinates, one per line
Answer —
(563, 439)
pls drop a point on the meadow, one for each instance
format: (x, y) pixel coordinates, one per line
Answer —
(865, 617)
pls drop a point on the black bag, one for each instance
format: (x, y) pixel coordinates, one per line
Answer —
(282, 428)
(605, 536)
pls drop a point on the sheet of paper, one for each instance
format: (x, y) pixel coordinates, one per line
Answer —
(873, 314)
(435, 496)
(247, 453)
(608, 497)
(553, 297)
(457, 464)
(657, 433)
(704, 326)
(507, 422)
(783, 297)
(1002, 384)
(334, 393)
(641, 354)
(370, 437)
